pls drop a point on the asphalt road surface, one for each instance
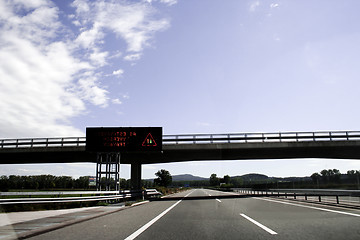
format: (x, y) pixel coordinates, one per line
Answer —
(189, 216)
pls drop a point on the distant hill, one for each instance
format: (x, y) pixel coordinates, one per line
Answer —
(253, 177)
(184, 177)
(187, 177)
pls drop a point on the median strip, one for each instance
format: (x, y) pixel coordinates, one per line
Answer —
(258, 224)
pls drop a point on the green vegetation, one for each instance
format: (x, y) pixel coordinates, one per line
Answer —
(42, 182)
(327, 178)
(52, 183)
(163, 179)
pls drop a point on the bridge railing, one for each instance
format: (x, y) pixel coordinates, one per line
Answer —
(197, 139)
(262, 137)
(43, 142)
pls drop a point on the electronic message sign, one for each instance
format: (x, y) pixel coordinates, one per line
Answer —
(123, 139)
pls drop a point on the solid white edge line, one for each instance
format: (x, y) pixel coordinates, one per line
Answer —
(316, 208)
(258, 224)
(140, 203)
(147, 225)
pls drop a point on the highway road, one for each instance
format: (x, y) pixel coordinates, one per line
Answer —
(189, 216)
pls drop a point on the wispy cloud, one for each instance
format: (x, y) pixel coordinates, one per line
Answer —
(136, 24)
(132, 57)
(254, 5)
(274, 5)
(116, 101)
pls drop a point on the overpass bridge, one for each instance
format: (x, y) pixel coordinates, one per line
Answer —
(192, 147)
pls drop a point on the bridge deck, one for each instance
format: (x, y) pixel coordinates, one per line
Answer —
(176, 148)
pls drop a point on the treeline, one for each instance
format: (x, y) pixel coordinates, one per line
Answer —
(327, 178)
(43, 182)
(333, 176)
(50, 182)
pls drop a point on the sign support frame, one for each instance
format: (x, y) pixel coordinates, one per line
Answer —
(108, 169)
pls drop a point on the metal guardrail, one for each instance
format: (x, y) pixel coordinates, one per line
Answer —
(197, 139)
(113, 195)
(348, 198)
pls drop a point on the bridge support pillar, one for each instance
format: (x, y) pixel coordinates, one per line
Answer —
(136, 176)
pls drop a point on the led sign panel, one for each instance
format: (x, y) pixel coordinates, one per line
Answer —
(123, 139)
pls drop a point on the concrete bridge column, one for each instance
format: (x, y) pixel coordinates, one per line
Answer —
(136, 176)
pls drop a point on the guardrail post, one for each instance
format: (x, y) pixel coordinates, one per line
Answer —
(228, 138)
(294, 195)
(337, 199)
(78, 141)
(47, 142)
(347, 136)
(285, 195)
(17, 143)
(314, 136)
(305, 197)
(194, 139)
(32, 142)
(62, 142)
(319, 198)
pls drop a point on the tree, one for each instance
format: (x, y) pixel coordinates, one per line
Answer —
(214, 180)
(163, 179)
(335, 176)
(227, 179)
(354, 175)
(325, 175)
(315, 178)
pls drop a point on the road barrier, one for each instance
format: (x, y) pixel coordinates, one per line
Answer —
(346, 198)
(97, 196)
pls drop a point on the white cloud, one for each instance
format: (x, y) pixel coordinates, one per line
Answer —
(98, 58)
(88, 89)
(39, 92)
(118, 72)
(48, 71)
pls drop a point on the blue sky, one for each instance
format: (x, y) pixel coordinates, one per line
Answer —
(188, 66)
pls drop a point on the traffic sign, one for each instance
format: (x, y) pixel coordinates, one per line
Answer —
(149, 141)
(123, 139)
